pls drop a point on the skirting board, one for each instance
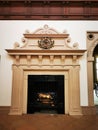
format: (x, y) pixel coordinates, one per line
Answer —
(4, 109)
(89, 110)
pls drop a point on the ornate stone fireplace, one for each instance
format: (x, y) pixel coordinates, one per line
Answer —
(46, 52)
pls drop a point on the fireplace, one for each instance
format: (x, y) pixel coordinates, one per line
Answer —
(46, 73)
(45, 94)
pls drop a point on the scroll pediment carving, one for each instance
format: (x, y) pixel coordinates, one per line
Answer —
(46, 30)
(46, 38)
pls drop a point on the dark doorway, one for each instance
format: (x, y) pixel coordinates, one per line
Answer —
(95, 70)
(45, 94)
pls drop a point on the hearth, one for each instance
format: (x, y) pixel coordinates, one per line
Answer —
(45, 94)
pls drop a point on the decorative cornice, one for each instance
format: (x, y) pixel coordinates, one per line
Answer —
(44, 52)
(49, 9)
(41, 54)
(46, 35)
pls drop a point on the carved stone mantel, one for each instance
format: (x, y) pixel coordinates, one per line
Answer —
(26, 52)
(31, 59)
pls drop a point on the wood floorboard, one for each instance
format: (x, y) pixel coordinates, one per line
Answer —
(48, 122)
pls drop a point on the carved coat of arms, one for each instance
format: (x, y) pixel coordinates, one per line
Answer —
(46, 43)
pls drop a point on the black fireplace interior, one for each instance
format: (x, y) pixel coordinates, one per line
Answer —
(45, 94)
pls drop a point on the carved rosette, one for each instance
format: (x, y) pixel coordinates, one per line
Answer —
(46, 43)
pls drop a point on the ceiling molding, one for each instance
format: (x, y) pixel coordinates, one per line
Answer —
(48, 10)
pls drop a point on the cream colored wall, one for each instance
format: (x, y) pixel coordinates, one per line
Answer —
(12, 31)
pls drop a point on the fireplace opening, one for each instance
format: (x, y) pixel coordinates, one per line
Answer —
(45, 94)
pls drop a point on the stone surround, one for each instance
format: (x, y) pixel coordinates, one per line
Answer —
(55, 56)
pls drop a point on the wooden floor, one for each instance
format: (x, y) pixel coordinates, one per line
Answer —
(48, 122)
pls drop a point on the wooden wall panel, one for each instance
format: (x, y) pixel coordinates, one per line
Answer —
(56, 10)
(38, 10)
(94, 10)
(76, 10)
(17, 10)
(49, 9)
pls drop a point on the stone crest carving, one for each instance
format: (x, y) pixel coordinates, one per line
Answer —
(46, 43)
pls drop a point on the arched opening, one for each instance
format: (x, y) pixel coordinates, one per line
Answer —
(95, 74)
